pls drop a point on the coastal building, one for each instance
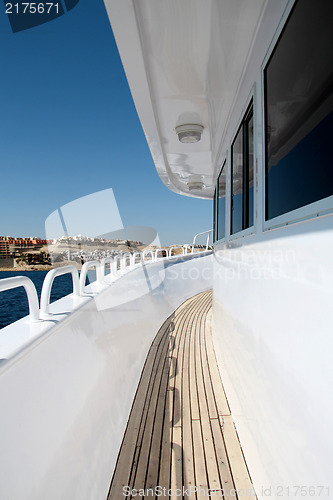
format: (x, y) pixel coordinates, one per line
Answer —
(4, 248)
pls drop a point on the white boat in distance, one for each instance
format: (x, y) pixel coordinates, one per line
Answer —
(235, 99)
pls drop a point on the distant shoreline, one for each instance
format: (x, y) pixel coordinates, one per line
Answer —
(23, 269)
(40, 267)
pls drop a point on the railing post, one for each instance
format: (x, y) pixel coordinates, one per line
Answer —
(102, 267)
(148, 252)
(161, 250)
(47, 285)
(86, 266)
(30, 290)
(177, 246)
(199, 234)
(115, 265)
(134, 258)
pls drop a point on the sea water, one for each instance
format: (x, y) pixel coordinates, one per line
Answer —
(14, 303)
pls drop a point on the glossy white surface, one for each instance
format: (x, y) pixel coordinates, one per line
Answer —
(184, 62)
(48, 282)
(30, 290)
(65, 398)
(273, 317)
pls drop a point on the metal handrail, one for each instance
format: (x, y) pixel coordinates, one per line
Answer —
(161, 250)
(30, 290)
(48, 282)
(123, 262)
(134, 257)
(83, 275)
(36, 313)
(104, 261)
(116, 259)
(199, 234)
(176, 246)
(147, 252)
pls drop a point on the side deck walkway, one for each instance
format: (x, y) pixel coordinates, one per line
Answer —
(180, 441)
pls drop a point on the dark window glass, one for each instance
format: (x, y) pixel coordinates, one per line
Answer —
(221, 190)
(242, 175)
(237, 184)
(298, 110)
(215, 216)
(250, 156)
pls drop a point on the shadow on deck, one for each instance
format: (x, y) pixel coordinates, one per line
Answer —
(180, 440)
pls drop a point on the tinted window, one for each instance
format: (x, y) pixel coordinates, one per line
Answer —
(237, 183)
(215, 216)
(250, 159)
(298, 110)
(221, 190)
(242, 175)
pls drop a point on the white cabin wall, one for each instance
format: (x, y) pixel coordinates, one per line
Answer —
(272, 321)
(272, 328)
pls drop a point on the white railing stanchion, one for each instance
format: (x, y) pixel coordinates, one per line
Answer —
(115, 265)
(104, 261)
(173, 247)
(123, 262)
(83, 275)
(135, 256)
(199, 234)
(161, 250)
(146, 253)
(48, 281)
(30, 290)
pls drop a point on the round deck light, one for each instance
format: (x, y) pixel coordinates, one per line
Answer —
(189, 133)
(192, 186)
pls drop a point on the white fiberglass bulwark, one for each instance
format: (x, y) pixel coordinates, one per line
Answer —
(66, 395)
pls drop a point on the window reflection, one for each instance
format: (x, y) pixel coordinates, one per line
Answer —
(221, 191)
(242, 175)
(298, 110)
(237, 184)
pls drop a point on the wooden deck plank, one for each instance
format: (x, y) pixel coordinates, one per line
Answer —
(235, 456)
(208, 445)
(227, 483)
(129, 445)
(219, 394)
(154, 455)
(176, 462)
(188, 455)
(170, 419)
(180, 432)
(165, 460)
(148, 429)
(139, 468)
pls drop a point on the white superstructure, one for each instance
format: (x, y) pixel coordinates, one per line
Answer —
(257, 75)
(255, 78)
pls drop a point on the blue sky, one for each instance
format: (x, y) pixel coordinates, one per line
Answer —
(66, 118)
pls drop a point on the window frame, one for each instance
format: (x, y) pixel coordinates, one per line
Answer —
(312, 210)
(223, 167)
(215, 214)
(247, 114)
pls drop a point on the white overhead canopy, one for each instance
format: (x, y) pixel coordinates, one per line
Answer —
(184, 61)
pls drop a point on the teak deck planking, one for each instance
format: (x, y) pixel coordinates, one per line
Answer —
(180, 433)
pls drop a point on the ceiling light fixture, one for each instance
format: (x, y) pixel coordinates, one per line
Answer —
(189, 133)
(196, 185)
